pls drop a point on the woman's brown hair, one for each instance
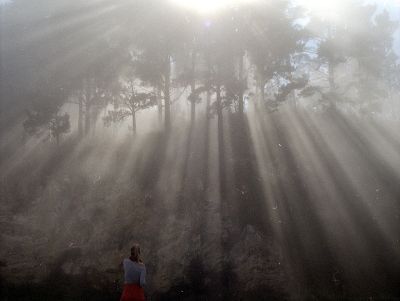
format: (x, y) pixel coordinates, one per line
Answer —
(135, 253)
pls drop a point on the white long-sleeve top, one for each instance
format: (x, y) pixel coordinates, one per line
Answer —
(134, 272)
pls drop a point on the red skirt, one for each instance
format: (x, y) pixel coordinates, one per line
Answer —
(132, 292)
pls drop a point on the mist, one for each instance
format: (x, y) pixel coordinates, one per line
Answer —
(252, 149)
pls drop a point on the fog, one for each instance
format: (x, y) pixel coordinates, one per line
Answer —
(252, 149)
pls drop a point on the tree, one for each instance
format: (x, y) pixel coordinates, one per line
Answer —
(376, 62)
(273, 44)
(154, 48)
(132, 102)
(43, 115)
(59, 125)
(97, 89)
(360, 41)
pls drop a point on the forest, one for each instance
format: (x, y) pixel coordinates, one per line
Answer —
(252, 148)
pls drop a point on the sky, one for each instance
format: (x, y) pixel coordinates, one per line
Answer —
(393, 6)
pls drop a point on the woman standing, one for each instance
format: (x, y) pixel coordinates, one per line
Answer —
(134, 276)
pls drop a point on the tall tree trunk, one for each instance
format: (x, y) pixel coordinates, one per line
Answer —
(57, 138)
(262, 91)
(332, 85)
(167, 96)
(134, 123)
(159, 106)
(331, 72)
(331, 76)
(241, 81)
(221, 148)
(192, 111)
(87, 118)
(80, 117)
(193, 88)
(208, 103)
(205, 171)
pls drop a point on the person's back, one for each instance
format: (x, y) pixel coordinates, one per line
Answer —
(134, 276)
(134, 272)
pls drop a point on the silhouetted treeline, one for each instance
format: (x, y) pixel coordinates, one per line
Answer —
(137, 54)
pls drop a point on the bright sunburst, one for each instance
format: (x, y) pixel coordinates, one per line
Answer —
(209, 6)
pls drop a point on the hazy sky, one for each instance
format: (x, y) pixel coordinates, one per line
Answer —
(393, 6)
